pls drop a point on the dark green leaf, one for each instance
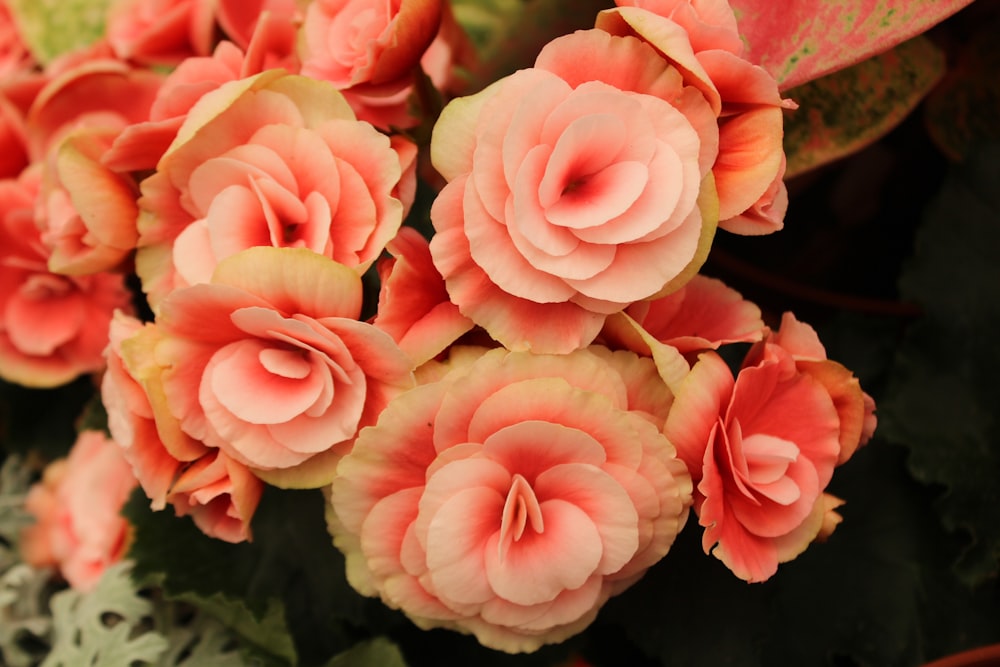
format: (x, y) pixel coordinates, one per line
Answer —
(849, 109)
(379, 652)
(941, 402)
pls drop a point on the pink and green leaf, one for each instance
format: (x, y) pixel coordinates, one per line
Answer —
(803, 40)
(843, 112)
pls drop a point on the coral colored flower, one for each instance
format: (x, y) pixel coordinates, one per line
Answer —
(413, 304)
(570, 195)
(272, 160)
(355, 42)
(77, 506)
(88, 211)
(13, 139)
(700, 37)
(161, 32)
(242, 21)
(269, 364)
(702, 315)
(762, 448)
(95, 93)
(52, 327)
(855, 408)
(511, 498)
(14, 53)
(218, 493)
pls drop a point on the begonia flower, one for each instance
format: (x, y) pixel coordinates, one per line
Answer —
(53, 328)
(575, 188)
(220, 494)
(762, 447)
(161, 32)
(700, 37)
(77, 507)
(704, 314)
(269, 363)
(275, 160)
(512, 497)
(413, 305)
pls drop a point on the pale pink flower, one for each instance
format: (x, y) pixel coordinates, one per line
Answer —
(220, 494)
(512, 497)
(275, 160)
(268, 363)
(53, 328)
(570, 195)
(77, 506)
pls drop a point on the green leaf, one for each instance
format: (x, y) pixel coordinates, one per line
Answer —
(54, 27)
(103, 627)
(841, 113)
(941, 402)
(379, 652)
(806, 39)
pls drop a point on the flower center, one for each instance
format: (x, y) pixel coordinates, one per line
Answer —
(520, 508)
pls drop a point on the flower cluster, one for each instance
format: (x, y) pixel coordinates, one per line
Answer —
(535, 405)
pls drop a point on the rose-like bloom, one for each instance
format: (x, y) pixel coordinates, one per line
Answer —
(413, 305)
(77, 506)
(354, 42)
(512, 497)
(702, 315)
(219, 494)
(52, 327)
(87, 210)
(570, 195)
(762, 449)
(94, 93)
(163, 32)
(701, 38)
(855, 408)
(270, 160)
(269, 364)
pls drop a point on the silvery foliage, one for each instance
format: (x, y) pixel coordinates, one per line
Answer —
(43, 623)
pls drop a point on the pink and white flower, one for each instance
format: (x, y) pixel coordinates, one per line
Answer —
(511, 498)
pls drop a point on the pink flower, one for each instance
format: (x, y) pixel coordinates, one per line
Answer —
(95, 93)
(855, 408)
(161, 32)
(575, 189)
(355, 42)
(220, 494)
(413, 305)
(269, 364)
(14, 53)
(52, 327)
(77, 506)
(702, 315)
(275, 160)
(513, 497)
(762, 447)
(701, 38)
(87, 210)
